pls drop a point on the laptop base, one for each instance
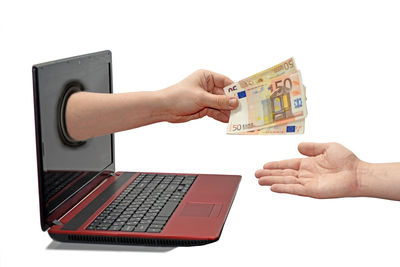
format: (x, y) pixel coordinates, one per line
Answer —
(112, 240)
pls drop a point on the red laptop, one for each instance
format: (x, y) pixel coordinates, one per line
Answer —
(83, 199)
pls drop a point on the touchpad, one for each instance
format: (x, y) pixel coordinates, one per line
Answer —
(197, 209)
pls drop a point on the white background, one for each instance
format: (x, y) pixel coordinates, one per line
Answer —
(348, 52)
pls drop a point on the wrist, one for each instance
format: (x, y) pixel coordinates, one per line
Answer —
(380, 180)
(364, 179)
(159, 105)
(165, 103)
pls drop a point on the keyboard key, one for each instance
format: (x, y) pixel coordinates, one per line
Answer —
(168, 208)
(115, 227)
(136, 219)
(159, 226)
(142, 227)
(112, 217)
(175, 198)
(153, 230)
(142, 185)
(128, 228)
(141, 211)
(159, 222)
(162, 218)
(133, 223)
(162, 186)
(171, 188)
(129, 212)
(146, 221)
(187, 181)
(154, 210)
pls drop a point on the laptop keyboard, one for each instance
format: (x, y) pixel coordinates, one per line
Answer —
(145, 205)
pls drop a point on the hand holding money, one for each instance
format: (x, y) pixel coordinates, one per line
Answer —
(200, 94)
(270, 102)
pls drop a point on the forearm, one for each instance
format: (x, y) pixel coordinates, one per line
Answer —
(379, 180)
(94, 114)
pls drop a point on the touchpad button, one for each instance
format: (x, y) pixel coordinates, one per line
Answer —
(197, 209)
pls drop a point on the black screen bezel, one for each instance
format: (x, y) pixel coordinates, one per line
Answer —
(39, 149)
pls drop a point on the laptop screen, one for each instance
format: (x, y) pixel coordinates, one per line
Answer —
(68, 172)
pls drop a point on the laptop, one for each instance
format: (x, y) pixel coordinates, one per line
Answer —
(83, 199)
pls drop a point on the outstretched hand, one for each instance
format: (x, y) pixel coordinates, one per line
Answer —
(200, 94)
(330, 171)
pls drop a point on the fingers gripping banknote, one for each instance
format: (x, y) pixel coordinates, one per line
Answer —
(270, 102)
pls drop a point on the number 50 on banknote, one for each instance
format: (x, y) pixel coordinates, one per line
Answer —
(270, 98)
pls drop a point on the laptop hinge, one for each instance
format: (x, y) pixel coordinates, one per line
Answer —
(56, 222)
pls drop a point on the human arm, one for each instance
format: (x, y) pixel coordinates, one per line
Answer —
(381, 180)
(331, 171)
(200, 94)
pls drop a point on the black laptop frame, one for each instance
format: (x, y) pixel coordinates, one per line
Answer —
(39, 144)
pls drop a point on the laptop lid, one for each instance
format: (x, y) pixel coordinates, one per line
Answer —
(68, 170)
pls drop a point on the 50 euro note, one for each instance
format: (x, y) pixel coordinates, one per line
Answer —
(270, 102)
(296, 127)
(285, 67)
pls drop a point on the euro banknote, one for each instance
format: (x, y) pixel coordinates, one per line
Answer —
(274, 98)
(296, 127)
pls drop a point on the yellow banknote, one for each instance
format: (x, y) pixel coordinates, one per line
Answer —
(270, 98)
(296, 127)
(285, 67)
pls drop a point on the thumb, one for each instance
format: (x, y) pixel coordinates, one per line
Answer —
(219, 101)
(312, 149)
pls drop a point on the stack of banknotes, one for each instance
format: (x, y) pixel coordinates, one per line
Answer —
(270, 102)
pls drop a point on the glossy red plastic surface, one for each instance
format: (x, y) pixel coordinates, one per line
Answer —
(216, 190)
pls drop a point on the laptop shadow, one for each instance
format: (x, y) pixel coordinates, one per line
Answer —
(55, 245)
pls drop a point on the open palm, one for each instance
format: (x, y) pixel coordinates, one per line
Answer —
(330, 171)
